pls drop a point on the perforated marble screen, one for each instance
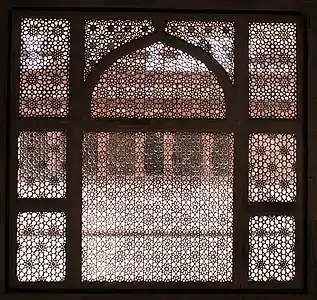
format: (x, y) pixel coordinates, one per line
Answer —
(157, 207)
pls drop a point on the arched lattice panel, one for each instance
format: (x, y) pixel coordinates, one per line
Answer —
(215, 37)
(272, 70)
(103, 36)
(158, 81)
(44, 67)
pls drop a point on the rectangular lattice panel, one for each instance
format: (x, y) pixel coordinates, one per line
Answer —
(44, 67)
(157, 207)
(41, 164)
(272, 70)
(271, 248)
(41, 238)
(272, 167)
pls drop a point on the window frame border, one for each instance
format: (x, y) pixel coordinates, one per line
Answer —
(52, 126)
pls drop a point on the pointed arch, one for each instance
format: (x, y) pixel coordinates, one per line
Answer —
(172, 41)
(211, 63)
(158, 81)
(108, 59)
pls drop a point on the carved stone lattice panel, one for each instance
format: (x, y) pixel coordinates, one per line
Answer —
(103, 36)
(272, 167)
(41, 164)
(41, 238)
(44, 67)
(215, 37)
(157, 207)
(158, 82)
(272, 70)
(272, 248)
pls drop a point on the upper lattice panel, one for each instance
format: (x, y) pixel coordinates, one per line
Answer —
(272, 70)
(158, 82)
(44, 67)
(103, 36)
(216, 38)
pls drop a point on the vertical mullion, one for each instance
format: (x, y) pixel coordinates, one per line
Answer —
(241, 153)
(74, 154)
(13, 147)
(311, 112)
(301, 165)
(4, 21)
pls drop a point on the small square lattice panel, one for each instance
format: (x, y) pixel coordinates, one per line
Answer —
(157, 207)
(42, 164)
(103, 36)
(214, 37)
(272, 248)
(272, 70)
(272, 167)
(41, 238)
(44, 67)
(158, 82)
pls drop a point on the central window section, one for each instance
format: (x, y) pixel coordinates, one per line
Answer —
(157, 206)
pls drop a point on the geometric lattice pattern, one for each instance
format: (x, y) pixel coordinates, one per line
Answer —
(272, 248)
(158, 82)
(216, 38)
(103, 36)
(272, 167)
(44, 67)
(157, 207)
(42, 164)
(41, 238)
(272, 70)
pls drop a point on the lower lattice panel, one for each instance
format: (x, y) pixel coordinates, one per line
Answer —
(158, 259)
(41, 238)
(272, 248)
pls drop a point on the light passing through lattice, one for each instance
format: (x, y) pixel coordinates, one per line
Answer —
(103, 36)
(272, 167)
(214, 37)
(158, 82)
(44, 67)
(157, 207)
(41, 238)
(272, 248)
(272, 70)
(42, 164)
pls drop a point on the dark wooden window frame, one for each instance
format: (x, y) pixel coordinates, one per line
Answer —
(237, 122)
